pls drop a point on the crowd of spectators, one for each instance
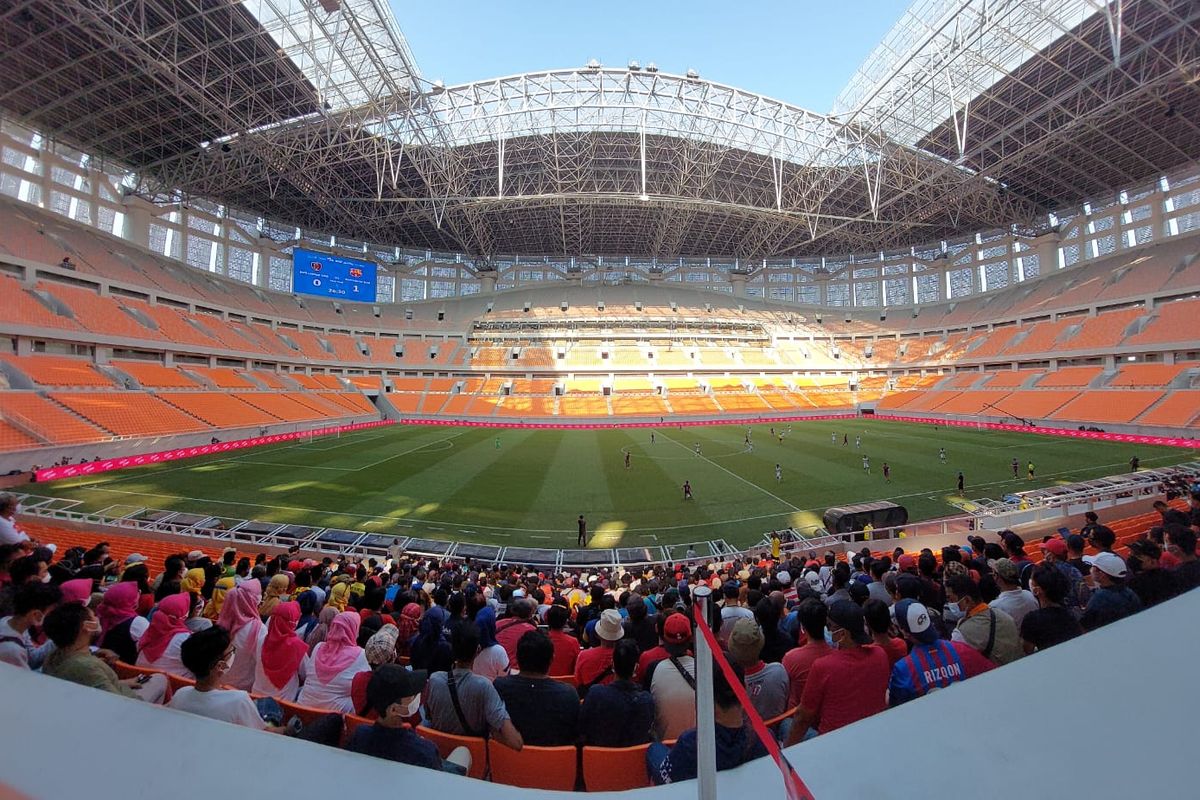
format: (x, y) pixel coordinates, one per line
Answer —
(601, 658)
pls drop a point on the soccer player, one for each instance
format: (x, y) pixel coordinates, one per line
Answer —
(749, 447)
(866, 465)
(942, 454)
(887, 473)
(832, 437)
(1133, 464)
(1029, 477)
(651, 437)
(781, 437)
(960, 482)
(497, 442)
(857, 442)
(627, 459)
(778, 473)
(845, 439)
(1016, 468)
(697, 448)
(687, 490)
(581, 541)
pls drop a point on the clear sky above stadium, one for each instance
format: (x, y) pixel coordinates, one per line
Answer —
(799, 51)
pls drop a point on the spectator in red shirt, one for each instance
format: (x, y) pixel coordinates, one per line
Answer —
(566, 646)
(847, 685)
(879, 623)
(594, 665)
(799, 661)
(509, 631)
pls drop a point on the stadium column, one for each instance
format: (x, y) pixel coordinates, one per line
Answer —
(138, 213)
(738, 280)
(267, 247)
(1046, 247)
(487, 281)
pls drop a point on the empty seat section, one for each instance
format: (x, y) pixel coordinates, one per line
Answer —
(221, 377)
(456, 406)
(962, 380)
(383, 350)
(1041, 338)
(536, 357)
(693, 404)
(345, 348)
(712, 357)
(217, 329)
(1178, 410)
(307, 342)
(58, 370)
(98, 314)
(490, 357)
(929, 401)
(786, 401)
(583, 385)
(283, 406)
(577, 405)
(522, 406)
(675, 384)
(1113, 407)
(1011, 379)
(493, 386)
(48, 420)
(898, 400)
(268, 379)
(353, 402)
(1101, 331)
(1032, 404)
(411, 384)
(1069, 377)
(754, 357)
(372, 382)
(676, 359)
(12, 438)
(1149, 375)
(645, 406)
(917, 350)
(432, 403)
(482, 406)
(533, 386)
(22, 308)
(306, 381)
(444, 385)
(219, 409)
(155, 376)
(995, 342)
(173, 325)
(973, 403)
(1172, 323)
(130, 413)
(261, 339)
(406, 403)
(321, 402)
(632, 383)
(741, 402)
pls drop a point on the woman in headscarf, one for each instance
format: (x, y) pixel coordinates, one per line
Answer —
(220, 589)
(408, 623)
(339, 595)
(307, 601)
(120, 625)
(430, 650)
(239, 616)
(196, 621)
(276, 593)
(318, 633)
(77, 591)
(330, 670)
(380, 650)
(278, 672)
(160, 644)
(492, 661)
(193, 581)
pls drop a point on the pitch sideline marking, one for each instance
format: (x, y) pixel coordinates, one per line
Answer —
(735, 475)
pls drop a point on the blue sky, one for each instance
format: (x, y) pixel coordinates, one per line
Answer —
(799, 51)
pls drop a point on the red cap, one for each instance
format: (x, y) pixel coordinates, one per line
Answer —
(1057, 545)
(677, 629)
(908, 562)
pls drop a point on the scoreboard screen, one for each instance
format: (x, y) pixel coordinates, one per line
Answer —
(326, 275)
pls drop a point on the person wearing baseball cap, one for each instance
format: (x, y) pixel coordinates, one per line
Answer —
(672, 681)
(394, 693)
(847, 685)
(933, 663)
(1111, 599)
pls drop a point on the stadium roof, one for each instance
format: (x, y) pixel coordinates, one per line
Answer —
(970, 115)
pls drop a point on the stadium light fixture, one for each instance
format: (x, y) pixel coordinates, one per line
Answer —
(693, 75)
(652, 67)
(593, 64)
(634, 66)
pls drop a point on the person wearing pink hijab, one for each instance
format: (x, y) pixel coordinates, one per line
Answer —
(120, 625)
(280, 658)
(239, 616)
(160, 645)
(78, 591)
(330, 670)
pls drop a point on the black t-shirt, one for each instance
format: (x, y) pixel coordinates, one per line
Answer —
(1187, 576)
(1045, 627)
(545, 711)
(1153, 586)
(396, 744)
(643, 632)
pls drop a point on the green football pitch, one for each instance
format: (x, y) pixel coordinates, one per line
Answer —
(526, 487)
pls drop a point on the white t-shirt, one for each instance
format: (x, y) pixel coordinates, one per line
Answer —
(729, 616)
(333, 695)
(1016, 603)
(674, 698)
(248, 641)
(10, 533)
(491, 663)
(170, 661)
(263, 686)
(226, 705)
(21, 653)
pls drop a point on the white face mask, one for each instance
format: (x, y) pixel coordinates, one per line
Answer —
(46, 578)
(412, 707)
(229, 661)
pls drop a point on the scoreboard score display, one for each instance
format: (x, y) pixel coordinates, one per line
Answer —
(326, 275)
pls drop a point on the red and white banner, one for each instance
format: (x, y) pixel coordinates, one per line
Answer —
(1131, 438)
(109, 464)
(666, 423)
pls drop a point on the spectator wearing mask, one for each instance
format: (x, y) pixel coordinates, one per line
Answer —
(566, 646)
(208, 654)
(879, 625)
(27, 569)
(330, 669)
(1150, 582)
(672, 681)
(159, 647)
(847, 685)
(1013, 600)
(394, 694)
(31, 603)
(735, 744)
(544, 711)
(1181, 542)
(990, 631)
(798, 661)
(766, 684)
(620, 714)
(1112, 599)
(1052, 622)
(934, 663)
(72, 627)
(594, 665)
(639, 625)
(465, 704)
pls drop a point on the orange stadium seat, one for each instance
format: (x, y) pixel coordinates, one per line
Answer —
(1033, 404)
(521, 406)
(549, 768)
(1040, 339)
(642, 406)
(49, 420)
(972, 403)
(155, 376)
(1172, 323)
(432, 403)
(219, 409)
(173, 324)
(1180, 409)
(129, 413)
(1112, 407)
(456, 406)
(1069, 377)
(995, 342)
(405, 403)
(577, 405)
(221, 377)
(1102, 331)
(694, 405)
(615, 769)
(98, 314)
(59, 370)
(13, 438)
(447, 742)
(282, 406)
(268, 379)
(22, 308)
(1010, 379)
(1149, 375)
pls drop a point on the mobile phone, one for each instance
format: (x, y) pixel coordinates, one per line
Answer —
(142, 678)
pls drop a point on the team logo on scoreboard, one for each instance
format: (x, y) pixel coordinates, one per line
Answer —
(355, 272)
(316, 266)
